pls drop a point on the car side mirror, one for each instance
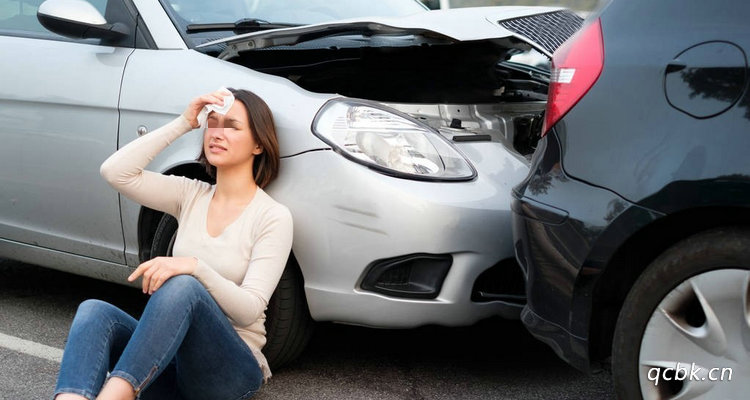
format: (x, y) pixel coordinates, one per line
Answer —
(78, 19)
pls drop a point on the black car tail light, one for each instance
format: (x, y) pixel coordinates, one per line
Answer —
(576, 65)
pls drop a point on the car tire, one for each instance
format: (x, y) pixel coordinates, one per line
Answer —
(288, 322)
(164, 236)
(679, 283)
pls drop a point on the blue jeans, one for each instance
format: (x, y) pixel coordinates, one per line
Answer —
(183, 347)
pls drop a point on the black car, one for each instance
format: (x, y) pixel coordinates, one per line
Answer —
(633, 225)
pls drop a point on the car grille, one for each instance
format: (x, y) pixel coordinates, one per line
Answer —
(547, 30)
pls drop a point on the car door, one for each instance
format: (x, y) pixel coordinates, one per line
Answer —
(58, 122)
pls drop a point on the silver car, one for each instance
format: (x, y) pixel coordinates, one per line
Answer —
(402, 131)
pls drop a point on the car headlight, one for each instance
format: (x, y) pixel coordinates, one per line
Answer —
(389, 141)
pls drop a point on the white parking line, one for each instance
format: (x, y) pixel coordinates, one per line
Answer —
(31, 348)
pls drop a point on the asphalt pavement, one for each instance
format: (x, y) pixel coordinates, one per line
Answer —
(494, 359)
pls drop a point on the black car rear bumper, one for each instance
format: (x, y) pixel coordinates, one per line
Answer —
(564, 232)
(545, 241)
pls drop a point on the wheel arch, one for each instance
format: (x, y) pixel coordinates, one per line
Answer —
(635, 254)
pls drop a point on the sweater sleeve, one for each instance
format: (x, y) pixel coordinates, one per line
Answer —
(245, 303)
(124, 170)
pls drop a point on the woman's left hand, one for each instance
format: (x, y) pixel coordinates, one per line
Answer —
(157, 270)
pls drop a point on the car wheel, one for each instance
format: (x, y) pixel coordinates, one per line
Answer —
(288, 322)
(684, 329)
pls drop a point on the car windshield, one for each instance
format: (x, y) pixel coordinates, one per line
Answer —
(274, 13)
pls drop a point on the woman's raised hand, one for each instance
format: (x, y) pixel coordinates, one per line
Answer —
(195, 106)
(157, 270)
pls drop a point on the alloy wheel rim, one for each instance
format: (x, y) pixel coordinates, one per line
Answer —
(701, 327)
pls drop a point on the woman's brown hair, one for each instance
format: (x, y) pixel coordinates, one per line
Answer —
(260, 118)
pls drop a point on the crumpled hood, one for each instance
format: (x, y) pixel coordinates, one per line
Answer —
(544, 28)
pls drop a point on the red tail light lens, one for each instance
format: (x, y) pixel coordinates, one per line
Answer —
(576, 65)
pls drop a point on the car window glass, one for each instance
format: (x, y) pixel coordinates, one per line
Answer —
(296, 12)
(300, 12)
(289, 11)
(18, 18)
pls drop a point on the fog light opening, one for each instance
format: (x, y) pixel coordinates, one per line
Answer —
(417, 276)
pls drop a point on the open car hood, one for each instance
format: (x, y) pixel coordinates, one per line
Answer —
(544, 28)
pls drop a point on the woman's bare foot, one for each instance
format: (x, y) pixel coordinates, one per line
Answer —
(116, 388)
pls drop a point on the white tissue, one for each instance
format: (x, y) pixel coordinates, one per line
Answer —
(228, 101)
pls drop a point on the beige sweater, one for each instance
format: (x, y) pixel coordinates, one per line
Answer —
(241, 267)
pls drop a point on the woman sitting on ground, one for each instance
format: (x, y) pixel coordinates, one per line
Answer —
(201, 333)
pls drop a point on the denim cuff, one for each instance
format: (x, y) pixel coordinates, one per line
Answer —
(80, 392)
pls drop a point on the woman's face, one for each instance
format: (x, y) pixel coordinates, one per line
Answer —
(228, 140)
